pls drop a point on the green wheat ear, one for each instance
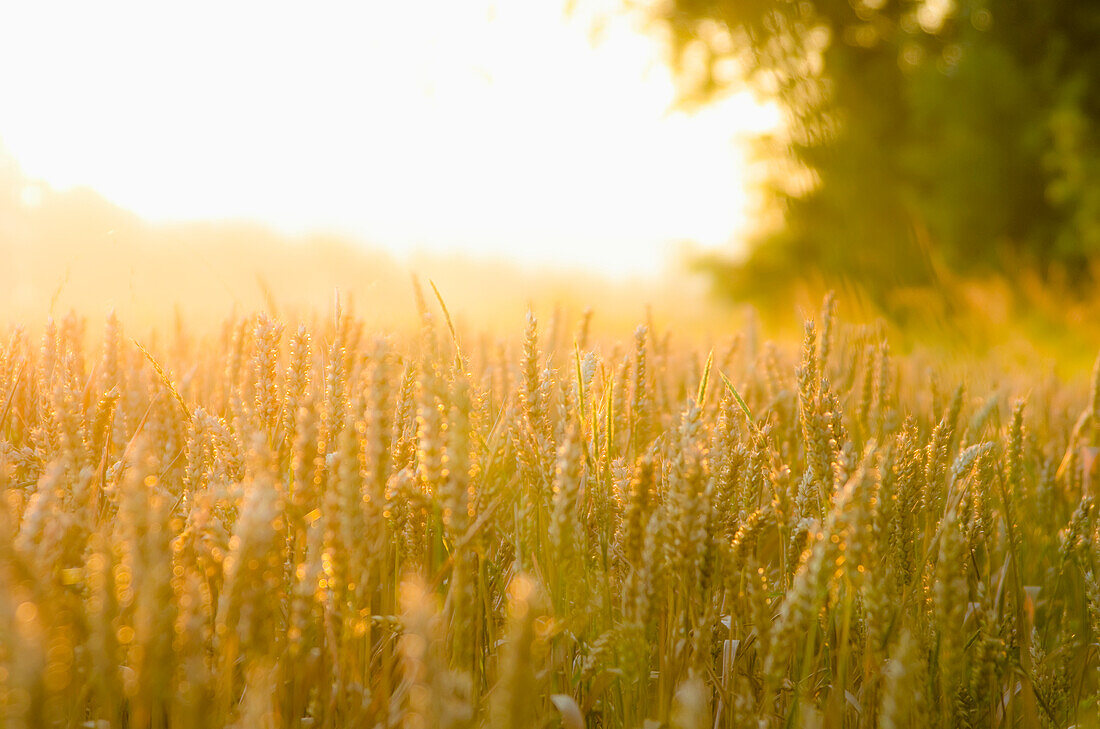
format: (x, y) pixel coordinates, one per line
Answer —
(580, 379)
(736, 396)
(702, 393)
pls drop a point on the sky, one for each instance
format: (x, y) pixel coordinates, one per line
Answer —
(504, 128)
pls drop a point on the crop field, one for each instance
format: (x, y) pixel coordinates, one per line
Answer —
(318, 524)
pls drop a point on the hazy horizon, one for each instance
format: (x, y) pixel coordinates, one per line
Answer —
(503, 130)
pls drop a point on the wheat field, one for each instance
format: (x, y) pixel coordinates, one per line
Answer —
(313, 524)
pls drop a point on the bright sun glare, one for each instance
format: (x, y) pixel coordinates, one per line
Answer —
(491, 128)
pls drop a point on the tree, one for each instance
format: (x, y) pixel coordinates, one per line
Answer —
(926, 136)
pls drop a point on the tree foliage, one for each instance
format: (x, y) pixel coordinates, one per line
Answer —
(926, 136)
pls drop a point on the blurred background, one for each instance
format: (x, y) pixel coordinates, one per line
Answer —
(935, 161)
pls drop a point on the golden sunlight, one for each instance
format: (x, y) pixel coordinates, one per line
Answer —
(496, 364)
(507, 128)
